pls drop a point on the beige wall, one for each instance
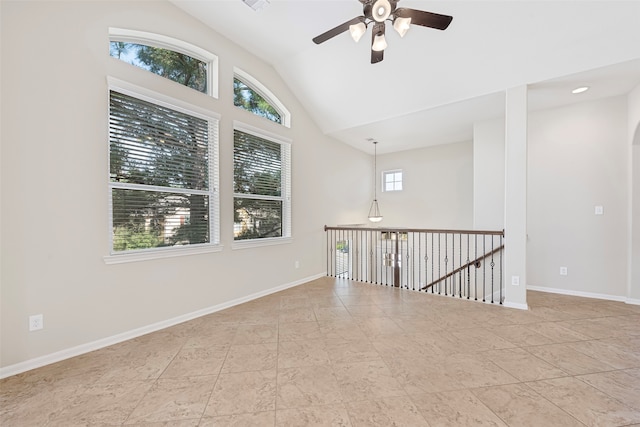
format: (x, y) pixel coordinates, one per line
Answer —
(488, 175)
(634, 149)
(437, 188)
(55, 60)
(578, 158)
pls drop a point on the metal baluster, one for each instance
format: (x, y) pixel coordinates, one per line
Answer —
(358, 239)
(439, 262)
(433, 235)
(453, 266)
(460, 277)
(475, 270)
(468, 269)
(501, 251)
(410, 257)
(446, 260)
(419, 261)
(484, 269)
(493, 264)
(372, 263)
(386, 270)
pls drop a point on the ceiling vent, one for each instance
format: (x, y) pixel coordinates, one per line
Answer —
(256, 5)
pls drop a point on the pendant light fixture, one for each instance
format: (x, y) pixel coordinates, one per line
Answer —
(374, 210)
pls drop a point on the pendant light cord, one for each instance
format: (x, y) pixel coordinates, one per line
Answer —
(375, 169)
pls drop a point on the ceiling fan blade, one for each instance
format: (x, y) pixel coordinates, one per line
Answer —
(377, 55)
(426, 19)
(337, 30)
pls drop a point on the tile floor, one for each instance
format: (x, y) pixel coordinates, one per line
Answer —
(338, 353)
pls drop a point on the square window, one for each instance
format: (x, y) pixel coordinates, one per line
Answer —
(392, 180)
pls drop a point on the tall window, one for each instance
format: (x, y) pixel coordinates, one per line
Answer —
(173, 59)
(162, 172)
(392, 180)
(249, 94)
(262, 185)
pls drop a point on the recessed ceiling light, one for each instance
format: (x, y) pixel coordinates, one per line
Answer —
(580, 89)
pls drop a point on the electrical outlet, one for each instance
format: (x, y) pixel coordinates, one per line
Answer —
(563, 271)
(297, 264)
(515, 280)
(36, 322)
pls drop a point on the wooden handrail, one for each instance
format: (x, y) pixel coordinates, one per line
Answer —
(413, 230)
(459, 269)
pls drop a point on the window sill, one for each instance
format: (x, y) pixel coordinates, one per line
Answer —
(256, 243)
(152, 254)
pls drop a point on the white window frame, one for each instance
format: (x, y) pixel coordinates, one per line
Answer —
(391, 172)
(214, 183)
(169, 43)
(285, 145)
(264, 92)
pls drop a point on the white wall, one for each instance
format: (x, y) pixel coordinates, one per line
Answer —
(55, 59)
(488, 175)
(437, 188)
(634, 149)
(577, 160)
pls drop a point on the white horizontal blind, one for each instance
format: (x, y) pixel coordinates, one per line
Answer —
(160, 175)
(261, 187)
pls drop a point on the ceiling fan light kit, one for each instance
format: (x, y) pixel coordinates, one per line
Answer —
(357, 31)
(379, 43)
(402, 25)
(377, 12)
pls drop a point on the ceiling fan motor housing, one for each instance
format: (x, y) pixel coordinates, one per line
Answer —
(379, 10)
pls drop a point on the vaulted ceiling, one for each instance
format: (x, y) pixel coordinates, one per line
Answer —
(433, 85)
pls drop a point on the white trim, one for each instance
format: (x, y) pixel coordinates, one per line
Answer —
(384, 179)
(577, 293)
(632, 301)
(169, 43)
(214, 184)
(515, 305)
(160, 253)
(630, 218)
(260, 133)
(160, 99)
(58, 356)
(285, 144)
(213, 120)
(257, 243)
(263, 91)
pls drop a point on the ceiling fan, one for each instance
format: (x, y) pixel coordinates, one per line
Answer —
(376, 12)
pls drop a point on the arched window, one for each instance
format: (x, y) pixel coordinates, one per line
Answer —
(251, 95)
(173, 59)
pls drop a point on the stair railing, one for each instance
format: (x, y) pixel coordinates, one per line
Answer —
(428, 260)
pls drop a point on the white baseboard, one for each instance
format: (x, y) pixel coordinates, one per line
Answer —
(583, 294)
(68, 353)
(517, 305)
